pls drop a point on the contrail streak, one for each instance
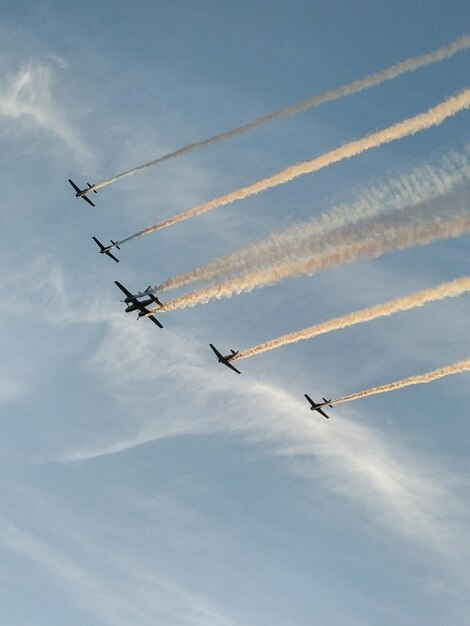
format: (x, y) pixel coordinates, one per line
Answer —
(445, 290)
(432, 117)
(368, 241)
(372, 80)
(420, 379)
(421, 185)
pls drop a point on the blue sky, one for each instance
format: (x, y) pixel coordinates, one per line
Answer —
(143, 484)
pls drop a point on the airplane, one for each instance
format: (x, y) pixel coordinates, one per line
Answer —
(135, 305)
(317, 406)
(81, 193)
(106, 249)
(226, 359)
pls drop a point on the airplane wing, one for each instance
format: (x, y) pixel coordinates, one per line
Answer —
(216, 352)
(232, 367)
(124, 290)
(98, 243)
(154, 320)
(323, 413)
(108, 253)
(77, 189)
(88, 200)
(310, 399)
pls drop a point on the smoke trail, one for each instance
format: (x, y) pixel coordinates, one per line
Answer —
(421, 185)
(420, 379)
(372, 80)
(445, 290)
(432, 117)
(366, 241)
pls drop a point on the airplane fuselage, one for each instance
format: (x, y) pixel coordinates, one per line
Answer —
(83, 192)
(138, 306)
(134, 297)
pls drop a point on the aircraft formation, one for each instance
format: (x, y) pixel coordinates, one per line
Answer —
(143, 299)
(373, 239)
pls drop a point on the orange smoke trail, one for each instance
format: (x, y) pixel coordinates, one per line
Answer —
(432, 117)
(370, 240)
(372, 80)
(420, 379)
(421, 185)
(445, 290)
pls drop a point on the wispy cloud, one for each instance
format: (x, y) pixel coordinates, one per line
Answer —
(49, 294)
(138, 597)
(27, 93)
(61, 62)
(402, 492)
(407, 496)
(64, 570)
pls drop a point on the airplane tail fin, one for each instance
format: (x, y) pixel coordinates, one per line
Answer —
(115, 243)
(327, 402)
(91, 187)
(234, 352)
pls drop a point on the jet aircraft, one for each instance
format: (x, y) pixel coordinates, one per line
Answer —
(314, 406)
(135, 305)
(226, 359)
(81, 193)
(106, 249)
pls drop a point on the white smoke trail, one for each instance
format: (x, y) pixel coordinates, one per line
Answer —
(421, 185)
(439, 292)
(372, 80)
(410, 126)
(350, 244)
(420, 379)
